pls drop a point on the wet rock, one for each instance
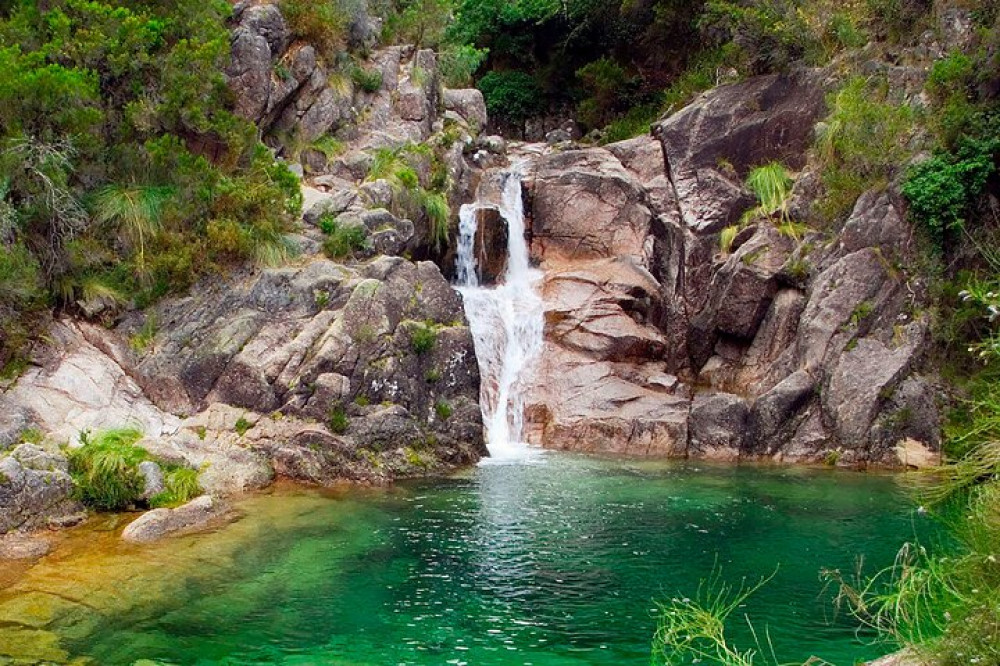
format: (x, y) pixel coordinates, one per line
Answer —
(154, 525)
(16, 546)
(774, 411)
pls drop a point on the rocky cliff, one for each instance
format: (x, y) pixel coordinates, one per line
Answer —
(793, 345)
(358, 368)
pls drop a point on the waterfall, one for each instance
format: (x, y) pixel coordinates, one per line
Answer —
(507, 322)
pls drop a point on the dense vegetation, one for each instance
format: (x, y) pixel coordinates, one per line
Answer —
(106, 475)
(123, 176)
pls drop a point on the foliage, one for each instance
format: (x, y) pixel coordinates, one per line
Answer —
(342, 240)
(423, 337)
(608, 87)
(419, 22)
(322, 23)
(443, 409)
(771, 34)
(242, 426)
(942, 190)
(369, 80)
(694, 630)
(860, 145)
(511, 96)
(105, 469)
(771, 184)
(458, 64)
(180, 486)
(337, 420)
(898, 21)
(439, 216)
(123, 171)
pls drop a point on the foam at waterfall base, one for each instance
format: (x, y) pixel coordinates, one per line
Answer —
(514, 453)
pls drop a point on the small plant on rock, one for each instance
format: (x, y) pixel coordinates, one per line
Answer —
(423, 337)
(337, 420)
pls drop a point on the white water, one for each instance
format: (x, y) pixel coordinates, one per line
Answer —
(507, 323)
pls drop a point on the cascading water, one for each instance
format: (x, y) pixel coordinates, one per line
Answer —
(507, 323)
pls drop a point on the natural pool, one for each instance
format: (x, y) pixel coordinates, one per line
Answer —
(555, 562)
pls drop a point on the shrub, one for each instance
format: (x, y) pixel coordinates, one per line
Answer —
(511, 96)
(771, 184)
(438, 218)
(458, 64)
(369, 80)
(898, 20)
(320, 22)
(337, 420)
(609, 88)
(770, 34)
(105, 469)
(242, 426)
(942, 190)
(423, 337)
(443, 409)
(343, 240)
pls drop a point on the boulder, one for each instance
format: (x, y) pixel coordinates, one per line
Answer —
(773, 413)
(717, 426)
(864, 379)
(711, 145)
(17, 546)
(34, 487)
(586, 205)
(153, 483)
(198, 514)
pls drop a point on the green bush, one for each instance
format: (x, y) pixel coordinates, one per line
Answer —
(770, 34)
(609, 88)
(342, 240)
(121, 161)
(511, 96)
(337, 420)
(942, 190)
(423, 337)
(898, 21)
(443, 409)
(458, 64)
(105, 469)
(369, 80)
(439, 218)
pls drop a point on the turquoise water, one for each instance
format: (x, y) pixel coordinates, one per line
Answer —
(554, 563)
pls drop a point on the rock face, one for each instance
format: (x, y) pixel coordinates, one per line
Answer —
(788, 346)
(35, 487)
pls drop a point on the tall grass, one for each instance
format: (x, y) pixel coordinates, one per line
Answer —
(105, 469)
(438, 217)
(696, 630)
(180, 486)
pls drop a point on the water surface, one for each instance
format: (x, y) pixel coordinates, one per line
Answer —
(557, 562)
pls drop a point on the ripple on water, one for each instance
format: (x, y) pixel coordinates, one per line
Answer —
(552, 564)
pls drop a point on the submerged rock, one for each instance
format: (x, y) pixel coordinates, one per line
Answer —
(196, 515)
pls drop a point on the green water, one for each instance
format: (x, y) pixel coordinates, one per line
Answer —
(553, 563)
